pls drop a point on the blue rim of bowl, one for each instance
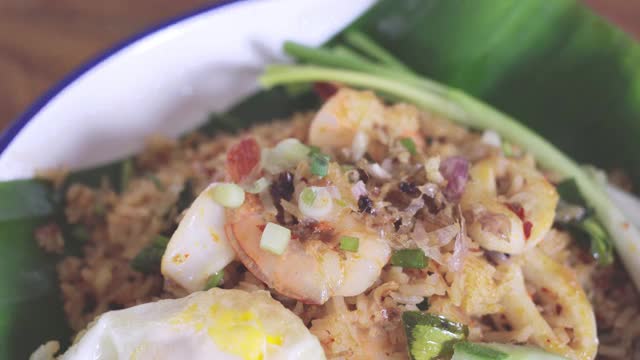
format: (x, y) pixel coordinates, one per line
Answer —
(7, 136)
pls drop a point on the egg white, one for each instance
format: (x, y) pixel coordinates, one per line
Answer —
(216, 324)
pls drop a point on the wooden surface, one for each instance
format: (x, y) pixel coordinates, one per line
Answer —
(42, 40)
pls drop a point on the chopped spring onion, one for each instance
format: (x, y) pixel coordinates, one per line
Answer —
(126, 173)
(258, 186)
(586, 230)
(297, 89)
(347, 167)
(275, 238)
(409, 145)
(409, 258)
(308, 196)
(215, 280)
(228, 195)
(349, 243)
(286, 154)
(319, 163)
(315, 202)
(340, 202)
(507, 149)
(599, 241)
(156, 181)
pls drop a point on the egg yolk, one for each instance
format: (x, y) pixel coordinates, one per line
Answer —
(235, 332)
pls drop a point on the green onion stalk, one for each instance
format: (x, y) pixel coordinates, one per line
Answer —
(400, 84)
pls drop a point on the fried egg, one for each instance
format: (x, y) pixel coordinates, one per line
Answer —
(216, 324)
(199, 247)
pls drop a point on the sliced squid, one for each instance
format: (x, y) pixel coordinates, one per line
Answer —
(511, 222)
(542, 272)
(199, 247)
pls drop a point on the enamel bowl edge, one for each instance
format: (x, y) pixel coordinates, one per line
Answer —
(164, 81)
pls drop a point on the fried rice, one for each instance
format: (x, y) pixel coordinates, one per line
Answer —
(121, 224)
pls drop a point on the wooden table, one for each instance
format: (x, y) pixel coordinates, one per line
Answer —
(42, 40)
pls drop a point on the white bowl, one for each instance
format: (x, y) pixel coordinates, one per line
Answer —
(164, 81)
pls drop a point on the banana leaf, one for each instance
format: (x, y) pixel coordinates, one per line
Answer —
(553, 64)
(31, 309)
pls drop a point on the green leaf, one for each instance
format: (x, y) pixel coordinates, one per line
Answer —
(554, 65)
(587, 230)
(431, 336)
(25, 199)
(569, 192)
(148, 259)
(30, 307)
(186, 196)
(263, 106)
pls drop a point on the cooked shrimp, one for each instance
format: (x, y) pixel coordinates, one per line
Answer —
(312, 268)
(546, 275)
(510, 222)
(350, 117)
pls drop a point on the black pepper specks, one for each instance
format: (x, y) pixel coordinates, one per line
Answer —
(363, 175)
(409, 188)
(365, 204)
(282, 188)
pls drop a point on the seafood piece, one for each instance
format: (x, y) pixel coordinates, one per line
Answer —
(513, 221)
(350, 118)
(546, 275)
(199, 247)
(312, 268)
(344, 115)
